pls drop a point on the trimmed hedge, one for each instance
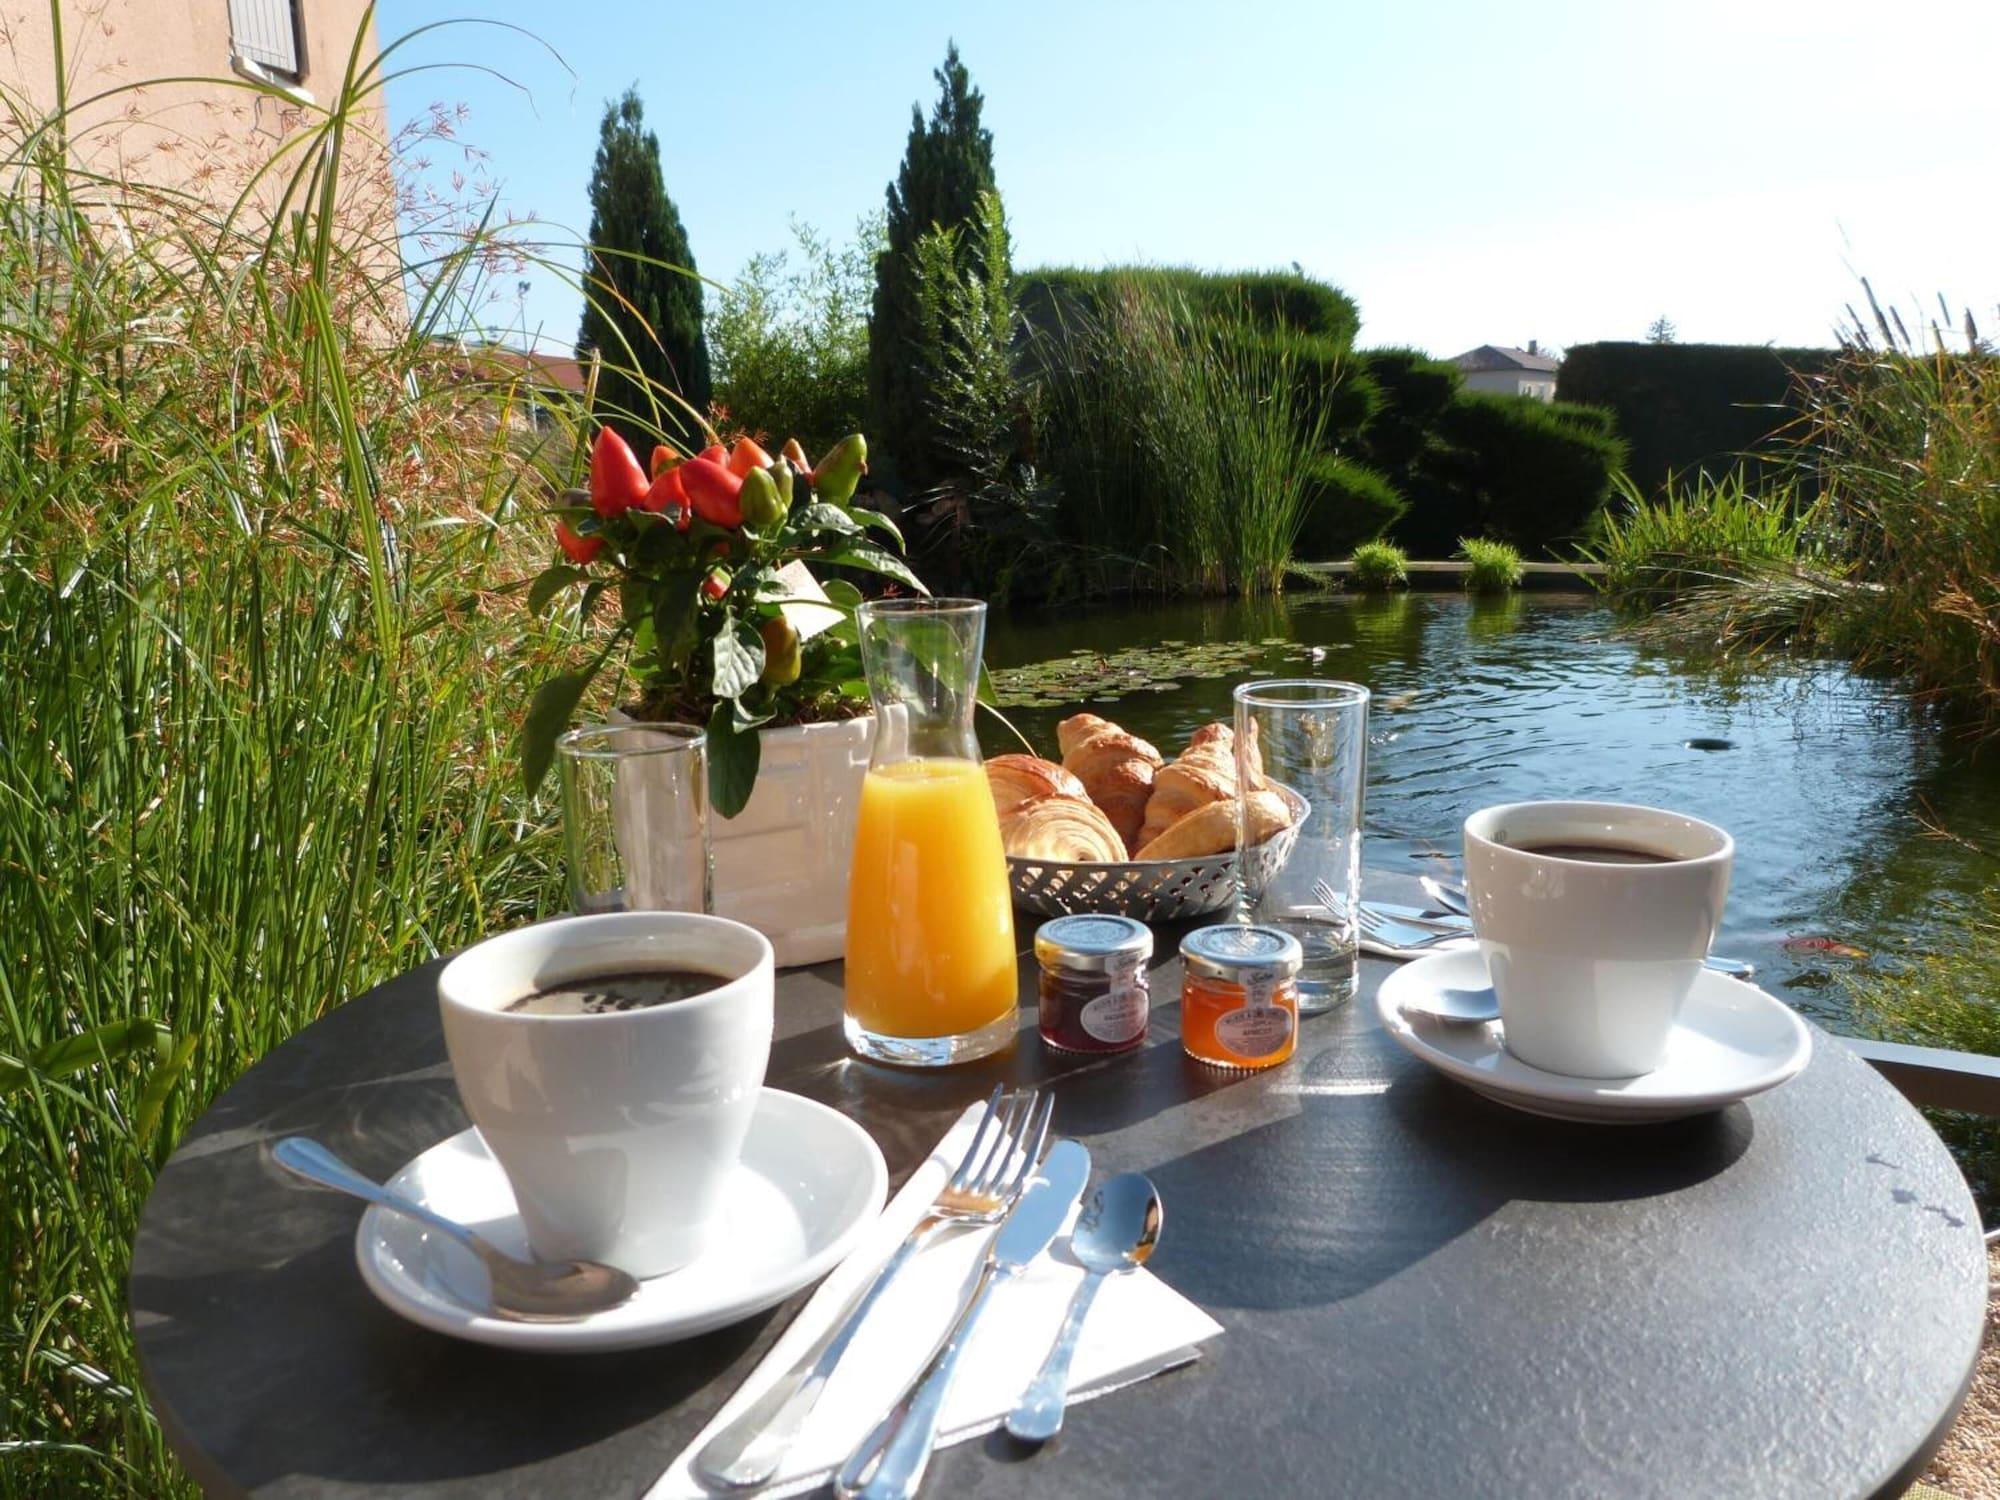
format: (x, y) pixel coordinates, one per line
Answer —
(1350, 504)
(1271, 298)
(1684, 408)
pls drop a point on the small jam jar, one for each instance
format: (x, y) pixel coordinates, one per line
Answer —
(1240, 995)
(1094, 992)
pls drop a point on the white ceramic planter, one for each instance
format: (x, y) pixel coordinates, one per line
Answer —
(781, 864)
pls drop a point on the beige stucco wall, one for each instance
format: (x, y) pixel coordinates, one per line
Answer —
(1536, 383)
(208, 135)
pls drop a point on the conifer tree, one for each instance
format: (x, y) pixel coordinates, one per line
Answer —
(947, 169)
(631, 216)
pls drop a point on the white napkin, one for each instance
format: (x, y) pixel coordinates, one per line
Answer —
(1138, 1326)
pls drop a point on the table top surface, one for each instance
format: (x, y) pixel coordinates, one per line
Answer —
(1423, 1292)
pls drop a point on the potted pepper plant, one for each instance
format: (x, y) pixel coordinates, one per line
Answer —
(713, 563)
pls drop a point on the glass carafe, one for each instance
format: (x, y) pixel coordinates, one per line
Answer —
(931, 975)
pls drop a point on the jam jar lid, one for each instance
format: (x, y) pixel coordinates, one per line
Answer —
(1092, 942)
(1235, 951)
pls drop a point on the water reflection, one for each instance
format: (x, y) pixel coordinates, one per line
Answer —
(1481, 701)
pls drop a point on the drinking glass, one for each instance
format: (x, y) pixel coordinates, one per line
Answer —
(635, 817)
(931, 972)
(1311, 738)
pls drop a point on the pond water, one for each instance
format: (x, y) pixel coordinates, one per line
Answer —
(1830, 782)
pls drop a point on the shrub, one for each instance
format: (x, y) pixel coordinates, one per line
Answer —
(1700, 534)
(1347, 505)
(1529, 471)
(790, 340)
(1379, 566)
(1684, 408)
(1053, 295)
(1494, 567)
(1413, 391)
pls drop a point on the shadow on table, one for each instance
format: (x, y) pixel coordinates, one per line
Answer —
(1344, 1192)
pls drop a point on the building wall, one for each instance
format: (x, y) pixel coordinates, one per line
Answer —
(1540, 384)
(205, 136)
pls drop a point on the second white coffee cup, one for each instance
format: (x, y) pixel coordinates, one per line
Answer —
(618, 1132)
(1591, 958)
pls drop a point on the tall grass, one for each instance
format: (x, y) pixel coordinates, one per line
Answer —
(1700, 533)
(1490, 567)
(259, 676)
(1179, 439)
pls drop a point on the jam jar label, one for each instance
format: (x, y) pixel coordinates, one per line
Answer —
(1119, 1014)
(1257, 1027)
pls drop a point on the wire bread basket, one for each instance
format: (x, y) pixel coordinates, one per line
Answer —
(1153, 890)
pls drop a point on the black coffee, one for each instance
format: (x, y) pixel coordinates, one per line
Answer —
(612, 994)
(1598, 854)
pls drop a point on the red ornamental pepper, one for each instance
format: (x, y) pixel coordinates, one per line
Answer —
(745, 456)
(580, 549)
(713, 490)
(664, 458)
(715, 453)
(617, 483)
(666, 492)
(716, 584)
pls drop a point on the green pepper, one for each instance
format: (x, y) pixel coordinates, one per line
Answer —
(840, 470)
(762, 507)
(782, 655)
(783, 475)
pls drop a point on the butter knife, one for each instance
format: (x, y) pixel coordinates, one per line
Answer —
(906, 1437)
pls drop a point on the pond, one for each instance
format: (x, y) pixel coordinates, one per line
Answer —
(1832, 783)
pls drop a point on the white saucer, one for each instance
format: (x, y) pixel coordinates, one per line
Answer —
(1732, 1041)
(809, 1182)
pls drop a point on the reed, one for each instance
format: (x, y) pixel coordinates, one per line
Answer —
(1378, 567)
(1702, 532)
(1491, 567)
(259, 679)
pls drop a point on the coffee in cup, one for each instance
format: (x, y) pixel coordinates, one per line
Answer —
(612, 1064)
(1594, 918)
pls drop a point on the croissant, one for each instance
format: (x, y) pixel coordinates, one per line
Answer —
(1060, 827)
(1116, 769)
(1014, 779)
(1206, 772)
(1211, 827)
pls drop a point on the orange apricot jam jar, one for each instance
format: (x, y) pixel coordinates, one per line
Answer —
(1240, 995)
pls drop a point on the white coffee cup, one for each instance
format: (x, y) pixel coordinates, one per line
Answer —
(1592, 961)
(618, 1131)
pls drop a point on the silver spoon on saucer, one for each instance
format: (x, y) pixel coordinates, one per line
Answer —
(1116, 1231)
(523, 1291)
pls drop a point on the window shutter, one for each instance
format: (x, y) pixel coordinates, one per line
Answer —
(266, 32)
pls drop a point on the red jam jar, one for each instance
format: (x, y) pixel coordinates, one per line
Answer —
(1094, 992)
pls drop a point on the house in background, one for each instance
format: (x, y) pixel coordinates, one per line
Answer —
(1509, 372)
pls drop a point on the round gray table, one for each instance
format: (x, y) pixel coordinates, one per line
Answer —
(1424, 1293)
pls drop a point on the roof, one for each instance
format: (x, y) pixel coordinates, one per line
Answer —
(1501, 357)
(551, 371)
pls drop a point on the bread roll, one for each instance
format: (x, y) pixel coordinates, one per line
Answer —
(1015, 779)
(1211, 827)
(1116, 769)
(1063, 828)
(1205, 773)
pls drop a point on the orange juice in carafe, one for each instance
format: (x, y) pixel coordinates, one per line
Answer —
(931, 972)
(930, 921)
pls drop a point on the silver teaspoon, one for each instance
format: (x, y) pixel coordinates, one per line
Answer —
(1115, 1232)
(556, 1291)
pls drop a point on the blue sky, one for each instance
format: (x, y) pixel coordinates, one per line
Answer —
(1470, 171)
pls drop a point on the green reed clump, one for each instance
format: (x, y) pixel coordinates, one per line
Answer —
(259, 681)
(1378, 566)
(1492, 567)
(1179, 439)
(1700, 533)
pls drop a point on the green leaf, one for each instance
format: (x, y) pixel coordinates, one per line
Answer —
(820, 517)
(676, 610)
(873, 559)
(549, 583)
(739, 658)
(882, 523)
(733, 754)
(85, 1049)
(842, 593)
(590, 597)
(159, 1084)
(548, 715)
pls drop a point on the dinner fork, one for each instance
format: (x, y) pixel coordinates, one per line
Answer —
(988, 1181)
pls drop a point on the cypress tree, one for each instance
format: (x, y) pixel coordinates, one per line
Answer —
(947, 166)
(631, 215)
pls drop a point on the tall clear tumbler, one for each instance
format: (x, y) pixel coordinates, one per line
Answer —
(1311, 739)
(635, 817)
